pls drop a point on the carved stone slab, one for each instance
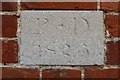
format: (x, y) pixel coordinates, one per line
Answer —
(62, 37)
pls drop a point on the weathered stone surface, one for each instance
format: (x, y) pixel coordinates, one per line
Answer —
(62, 37)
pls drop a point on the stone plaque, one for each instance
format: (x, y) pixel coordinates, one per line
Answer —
(62, 37)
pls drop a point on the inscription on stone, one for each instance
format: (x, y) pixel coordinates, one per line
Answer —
(62, 37)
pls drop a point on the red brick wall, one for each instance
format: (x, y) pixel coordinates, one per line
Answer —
(11, 67)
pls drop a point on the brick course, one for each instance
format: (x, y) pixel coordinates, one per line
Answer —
(20, 73)
(59, 5)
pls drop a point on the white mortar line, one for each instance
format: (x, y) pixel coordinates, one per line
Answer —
(18, 28)
(41, 72)
(112, 13)
(18, 31)
(9, 13)
(16, 13)
(9, 38)
(105, 49)
(111, 67)
(107, 33)
(61, 67)
(1, 64)
(98, 5)
(17, 65)
(82, 73)
(114, 39)
(19, 1)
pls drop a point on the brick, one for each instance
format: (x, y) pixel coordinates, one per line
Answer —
(94, 73)
(20, 73)
(59, 5)
(0, 73)
(61, 74)
(113, 53)
(9, 51)
(9, 26)
(112, 25)
(110, 6)
(0, 6)
(9, 6)
(0, 51)
(0, 25)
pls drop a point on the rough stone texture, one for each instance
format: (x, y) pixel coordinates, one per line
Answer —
(62, 37)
